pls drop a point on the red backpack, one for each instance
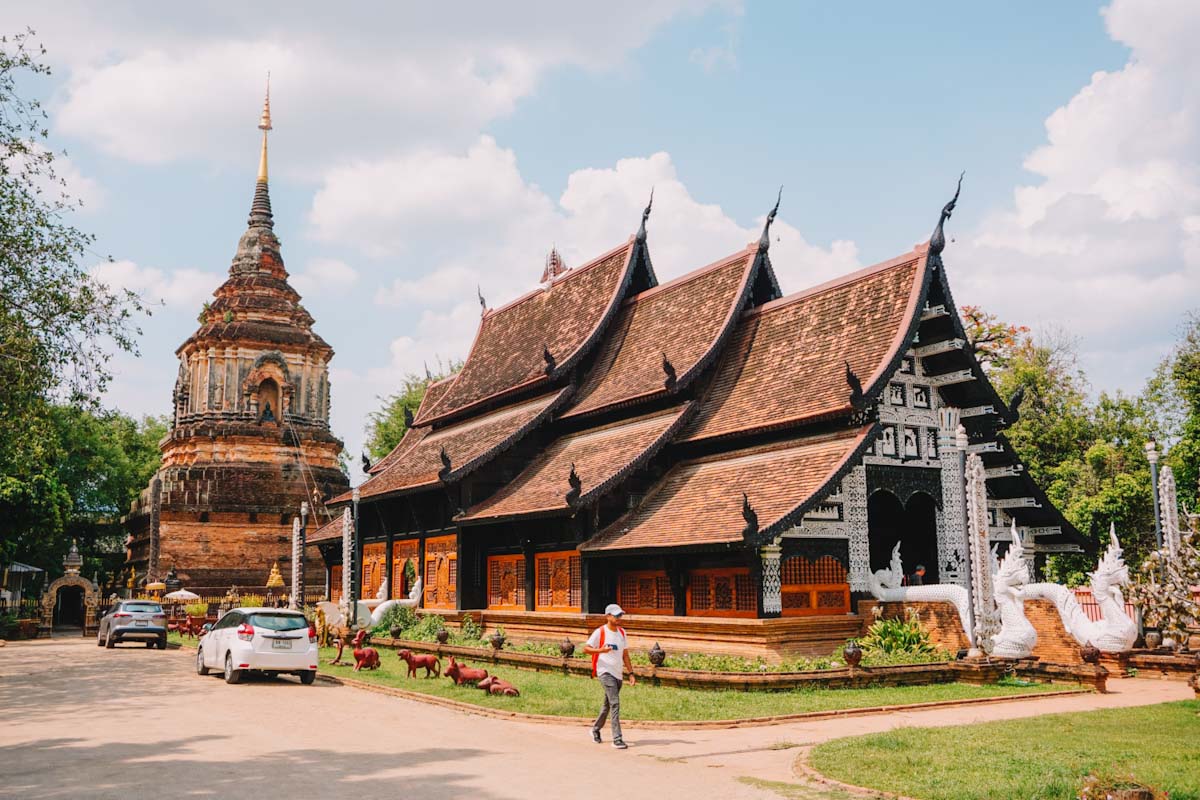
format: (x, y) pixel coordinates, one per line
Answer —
(596, 656)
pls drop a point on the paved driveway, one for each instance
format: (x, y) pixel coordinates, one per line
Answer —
(78, 721)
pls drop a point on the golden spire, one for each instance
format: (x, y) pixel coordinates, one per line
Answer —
(264, 125)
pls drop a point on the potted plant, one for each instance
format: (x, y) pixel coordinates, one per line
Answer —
(197, 614)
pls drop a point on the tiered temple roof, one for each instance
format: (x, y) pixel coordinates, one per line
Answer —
(709, 411)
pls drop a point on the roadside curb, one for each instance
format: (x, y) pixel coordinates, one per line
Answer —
(802, 769)
(749, 722)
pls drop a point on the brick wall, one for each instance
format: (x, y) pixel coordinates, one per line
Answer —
(1054, 644)
(939, 619)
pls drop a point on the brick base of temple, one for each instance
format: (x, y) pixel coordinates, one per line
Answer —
(770, 639)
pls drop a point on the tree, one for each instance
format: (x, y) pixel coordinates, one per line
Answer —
(57, 323)
(993, 342)
(386, 426)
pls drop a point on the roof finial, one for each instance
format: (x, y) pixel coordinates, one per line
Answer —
(554, 265)
(764, 241)
(482, 302)
(937, 242)
(641, 234)
(264, 125)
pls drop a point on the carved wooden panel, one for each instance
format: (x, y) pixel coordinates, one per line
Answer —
(559, 581)
(374, 564)
(645, 592)
(335, 583)
(814, 587)
(722, 593)
(506, 582)
(441, 572)
(404, 551)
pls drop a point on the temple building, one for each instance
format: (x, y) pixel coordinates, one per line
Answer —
(704, 447)
(249, 439)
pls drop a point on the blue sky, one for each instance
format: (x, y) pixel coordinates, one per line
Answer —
(416, 156)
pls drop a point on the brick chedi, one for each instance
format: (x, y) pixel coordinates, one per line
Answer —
(250, 436)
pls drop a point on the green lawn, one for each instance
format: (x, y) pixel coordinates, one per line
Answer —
(576, 696)
(1039, 758)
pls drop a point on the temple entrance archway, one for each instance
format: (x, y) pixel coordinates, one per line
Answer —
(68, 611)
(913, 524)
(77, 587)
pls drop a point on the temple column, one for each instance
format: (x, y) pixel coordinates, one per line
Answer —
(296, 561)
(952, 531)
(772, 600)
(854, 488)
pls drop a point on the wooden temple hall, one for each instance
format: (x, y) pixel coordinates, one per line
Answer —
(701, 448)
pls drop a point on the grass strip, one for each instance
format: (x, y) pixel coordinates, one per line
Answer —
(1041, 758)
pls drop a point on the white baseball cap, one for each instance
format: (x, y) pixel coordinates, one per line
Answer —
(614, 609)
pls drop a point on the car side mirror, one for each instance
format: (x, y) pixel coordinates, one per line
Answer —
(207, 627)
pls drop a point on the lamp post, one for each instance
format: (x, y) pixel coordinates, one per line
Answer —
(1152, 457)
(298, 589)
(355, 555)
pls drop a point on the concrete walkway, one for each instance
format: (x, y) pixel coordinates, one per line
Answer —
(81, 721)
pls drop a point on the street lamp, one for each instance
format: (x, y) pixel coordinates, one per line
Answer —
(1152, 457)
(355, 552)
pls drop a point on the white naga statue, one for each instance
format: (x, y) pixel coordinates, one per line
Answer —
(887, 585)
(1017, 636)
(1115, 632)
(371, 612)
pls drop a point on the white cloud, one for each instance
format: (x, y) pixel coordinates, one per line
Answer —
(1106, 244)
(185, 82)
(324, 276)
(179, 289)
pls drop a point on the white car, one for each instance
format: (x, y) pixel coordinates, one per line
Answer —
(270, 640)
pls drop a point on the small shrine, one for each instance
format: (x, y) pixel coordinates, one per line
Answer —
(71, 600)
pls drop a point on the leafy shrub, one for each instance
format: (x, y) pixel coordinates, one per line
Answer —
(251, 600)
(196, 609)
(395, 617)
(892, 636)
(470, 629)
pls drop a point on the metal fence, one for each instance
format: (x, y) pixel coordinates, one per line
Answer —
(25, 608)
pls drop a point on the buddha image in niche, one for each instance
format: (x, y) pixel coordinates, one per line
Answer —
(911, 448)
(887, 443)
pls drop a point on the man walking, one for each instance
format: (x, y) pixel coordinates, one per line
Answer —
(609, 650)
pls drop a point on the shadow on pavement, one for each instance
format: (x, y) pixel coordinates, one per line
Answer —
(51, 768)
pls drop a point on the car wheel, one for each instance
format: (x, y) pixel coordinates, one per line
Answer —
(200, 668)
(308, 677)
(162, 643)
(150, 644)
(231, 675)
(99, 640)
(109, 641)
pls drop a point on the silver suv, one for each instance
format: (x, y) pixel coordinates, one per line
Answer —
(133, 620)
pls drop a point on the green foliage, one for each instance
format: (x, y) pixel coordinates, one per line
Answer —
(196, 609)
(395, 617)
(385, 427)
(897, 636)
(57, 325)
(469, 629)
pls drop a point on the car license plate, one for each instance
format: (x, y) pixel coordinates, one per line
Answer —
(281, 644)
(141, 623)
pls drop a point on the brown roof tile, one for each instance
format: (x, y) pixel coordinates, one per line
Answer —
(601, 456)
(468, 444)
(564, 317)
(785, 362)
(685, 320)
(330, 530)
(699, 502)
(433, 392)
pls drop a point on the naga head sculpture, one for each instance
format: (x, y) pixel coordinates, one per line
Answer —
(1111, 573)
(893, 576)
(1013, 571)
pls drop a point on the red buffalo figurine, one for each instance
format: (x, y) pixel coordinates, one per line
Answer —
(494, 685)
(461, 674)
(432, 664)
(364, 656)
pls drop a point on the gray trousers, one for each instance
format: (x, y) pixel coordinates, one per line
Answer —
(612, 705)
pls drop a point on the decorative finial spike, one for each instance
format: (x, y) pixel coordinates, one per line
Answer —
(641, 234)
(264, 125)
(764, 241)
(937, 242)
(482, 302)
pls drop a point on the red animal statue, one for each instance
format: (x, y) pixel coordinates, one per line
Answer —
(364, 656)
(432, 664)
(494, 685)
(462, 674)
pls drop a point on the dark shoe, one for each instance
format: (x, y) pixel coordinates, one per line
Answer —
(620, 744)
(596, 737)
